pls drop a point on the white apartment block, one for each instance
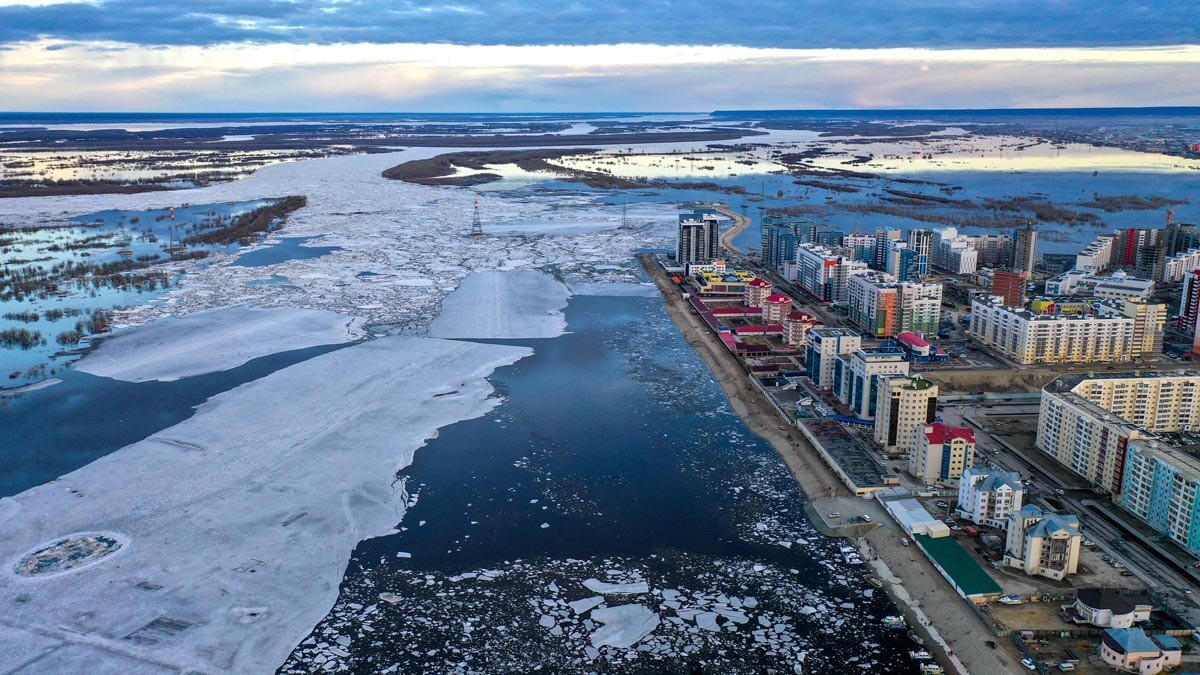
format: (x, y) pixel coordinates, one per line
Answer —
(956, 255)
(1107, 336)
(1177, 267)
(988, 496)
(824, 274)
(1097, 255)
(1087, 421)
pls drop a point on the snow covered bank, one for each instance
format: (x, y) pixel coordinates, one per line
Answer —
(210, 341)
(240, 520)
(508, 304)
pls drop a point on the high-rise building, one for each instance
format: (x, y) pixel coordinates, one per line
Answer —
(857, 376)
(823, 347)
(697, 240)
(1042, 543)
(1189, 308)
(1087, 420)
(884, 307)
(884, 236)
(1025, 249)
(995, 250)
(988, 495)
(1149, 320)
(1177, 267)
(1181, 237)
(823, 274)
(956, 255)
(1097, 255)
(1010, 286)
(780, 235)
(1100, 334)
(942, 453)
(921, 243)
(1140, 251)
(903, 408)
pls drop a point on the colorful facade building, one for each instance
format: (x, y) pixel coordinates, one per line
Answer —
(942, 453)
(884, 307)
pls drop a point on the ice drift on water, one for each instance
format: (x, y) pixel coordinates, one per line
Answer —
(255, 502)
(211, 341)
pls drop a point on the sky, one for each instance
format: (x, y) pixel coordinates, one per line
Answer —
(592, 55)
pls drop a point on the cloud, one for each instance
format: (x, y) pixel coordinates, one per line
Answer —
(52, 76)
(794, 24)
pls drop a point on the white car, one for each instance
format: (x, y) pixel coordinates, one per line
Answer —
(1028, 663)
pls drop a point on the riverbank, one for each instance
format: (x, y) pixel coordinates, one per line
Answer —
(912, 580)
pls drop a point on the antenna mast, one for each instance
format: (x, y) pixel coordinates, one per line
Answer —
(476, 224)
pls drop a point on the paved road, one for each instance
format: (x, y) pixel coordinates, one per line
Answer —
(740, 223)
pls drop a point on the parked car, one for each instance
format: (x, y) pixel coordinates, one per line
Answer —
(1029, 663)
(835, 514)
(866, 518)
(1126, 573)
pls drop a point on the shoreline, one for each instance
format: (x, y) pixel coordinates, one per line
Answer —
(912, 582)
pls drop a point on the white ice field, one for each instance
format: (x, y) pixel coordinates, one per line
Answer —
(238, 522)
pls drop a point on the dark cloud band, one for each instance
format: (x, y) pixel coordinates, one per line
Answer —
(801, 24)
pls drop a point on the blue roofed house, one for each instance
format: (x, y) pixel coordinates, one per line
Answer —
(1131, 649)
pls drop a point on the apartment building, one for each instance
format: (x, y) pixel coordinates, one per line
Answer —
(1088, 420)
(696, 241)
(1161, 486)
(989, 495)
(823, 346)
(942, 453)
(1105, 334)
(884, 307)
(1042, 543)
(904, 405)
(823, 274)
(857, 377)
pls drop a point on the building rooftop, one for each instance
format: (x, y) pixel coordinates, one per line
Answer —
(778, 299)
(1116, 602)
(970, 578)
(1067, 383)
(940, 432)
(912, 339)
(854, 461)
(1129, 641)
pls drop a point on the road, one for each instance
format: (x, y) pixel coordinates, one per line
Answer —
(740, 223)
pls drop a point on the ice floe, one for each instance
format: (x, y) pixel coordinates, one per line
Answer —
(239, 521)
(503, 304)
(211, 341)
(624, 625)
